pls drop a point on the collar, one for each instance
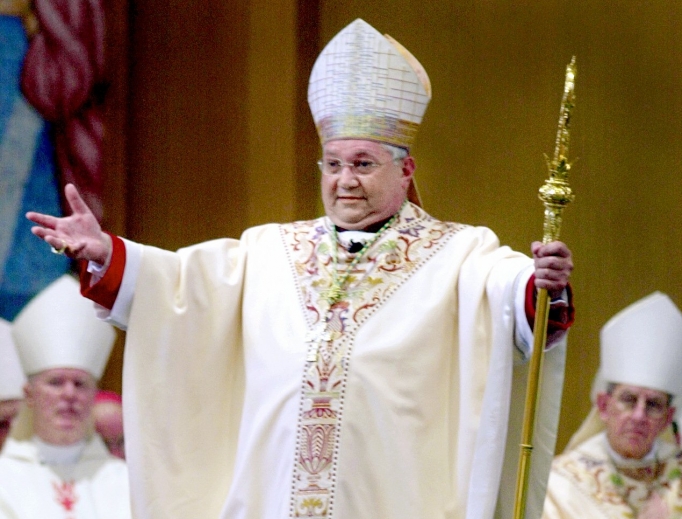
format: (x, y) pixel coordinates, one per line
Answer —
(353, 241)
(621, 462)
(59, 454)
(371, 229)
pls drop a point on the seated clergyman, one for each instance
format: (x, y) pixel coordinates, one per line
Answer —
(54, 466)
(623, 462)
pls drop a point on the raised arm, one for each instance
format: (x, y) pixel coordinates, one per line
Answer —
(78, 235)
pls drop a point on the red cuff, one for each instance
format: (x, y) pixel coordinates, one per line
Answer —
(560, 317)
(105, 291)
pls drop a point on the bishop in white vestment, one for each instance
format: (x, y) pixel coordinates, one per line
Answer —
(293, 373)
(623, 462)
(54, 466)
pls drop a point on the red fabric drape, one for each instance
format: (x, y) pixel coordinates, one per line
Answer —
(63, 78)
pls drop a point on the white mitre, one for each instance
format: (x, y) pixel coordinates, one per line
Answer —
(58, 329)
(365, 85)
(12, 378)
(640, 346)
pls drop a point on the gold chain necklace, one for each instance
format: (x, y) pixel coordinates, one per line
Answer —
(323, 333)
(336, 291)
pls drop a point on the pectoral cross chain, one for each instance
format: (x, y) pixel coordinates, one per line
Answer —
(317, 338)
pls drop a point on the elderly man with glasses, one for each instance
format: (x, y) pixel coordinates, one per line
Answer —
(359, 365)
(625, 461)
(54, 466)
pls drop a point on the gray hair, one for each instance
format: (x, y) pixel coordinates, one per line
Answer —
(396, 152)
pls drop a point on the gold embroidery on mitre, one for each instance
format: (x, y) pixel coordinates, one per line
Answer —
(365, 85)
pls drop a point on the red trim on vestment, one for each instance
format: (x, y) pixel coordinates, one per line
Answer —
(105, 291)
(560, 317)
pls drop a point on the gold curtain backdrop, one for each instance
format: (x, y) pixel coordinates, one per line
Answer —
(209, 132)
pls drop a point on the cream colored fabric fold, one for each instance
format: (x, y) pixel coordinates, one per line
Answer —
(216, 356)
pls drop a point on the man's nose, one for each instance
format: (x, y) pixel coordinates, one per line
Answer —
(347, 177)
(640, 410)
(69, 390)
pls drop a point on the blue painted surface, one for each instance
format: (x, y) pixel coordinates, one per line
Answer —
(29, 266)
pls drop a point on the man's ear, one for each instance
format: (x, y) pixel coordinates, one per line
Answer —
(409, 166)
(601, 403)
(671, 415)
(28, 394)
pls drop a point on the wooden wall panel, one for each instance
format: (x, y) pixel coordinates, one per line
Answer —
(116, 148)
(188, 136)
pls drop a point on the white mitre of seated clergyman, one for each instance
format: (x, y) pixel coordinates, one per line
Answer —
(12, 378)
(367, 86)
(640, 346)
(58, 329)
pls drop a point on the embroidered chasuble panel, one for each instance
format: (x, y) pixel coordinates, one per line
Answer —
(615, 494)
(318, 262)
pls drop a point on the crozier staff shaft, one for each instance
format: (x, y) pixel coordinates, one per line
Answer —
(555, 195)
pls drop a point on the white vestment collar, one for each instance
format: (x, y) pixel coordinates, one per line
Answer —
(59, 454)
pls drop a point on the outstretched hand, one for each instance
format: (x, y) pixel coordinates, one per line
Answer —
(553, 266)
(78, 235)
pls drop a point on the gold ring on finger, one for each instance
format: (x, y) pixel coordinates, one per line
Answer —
(62, 250)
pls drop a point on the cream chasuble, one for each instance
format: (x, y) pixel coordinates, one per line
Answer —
(248, 397)
(584, 484)
(96, 487)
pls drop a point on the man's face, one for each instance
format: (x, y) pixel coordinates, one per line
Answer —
(62, 400)
(356, 202)
(634, 416)
(8, 412)
(109, 425)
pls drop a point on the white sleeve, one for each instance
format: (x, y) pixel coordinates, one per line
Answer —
(120, 312)
(523, 335)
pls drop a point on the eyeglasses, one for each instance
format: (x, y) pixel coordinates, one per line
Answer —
(360, 167)
(653, 407)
